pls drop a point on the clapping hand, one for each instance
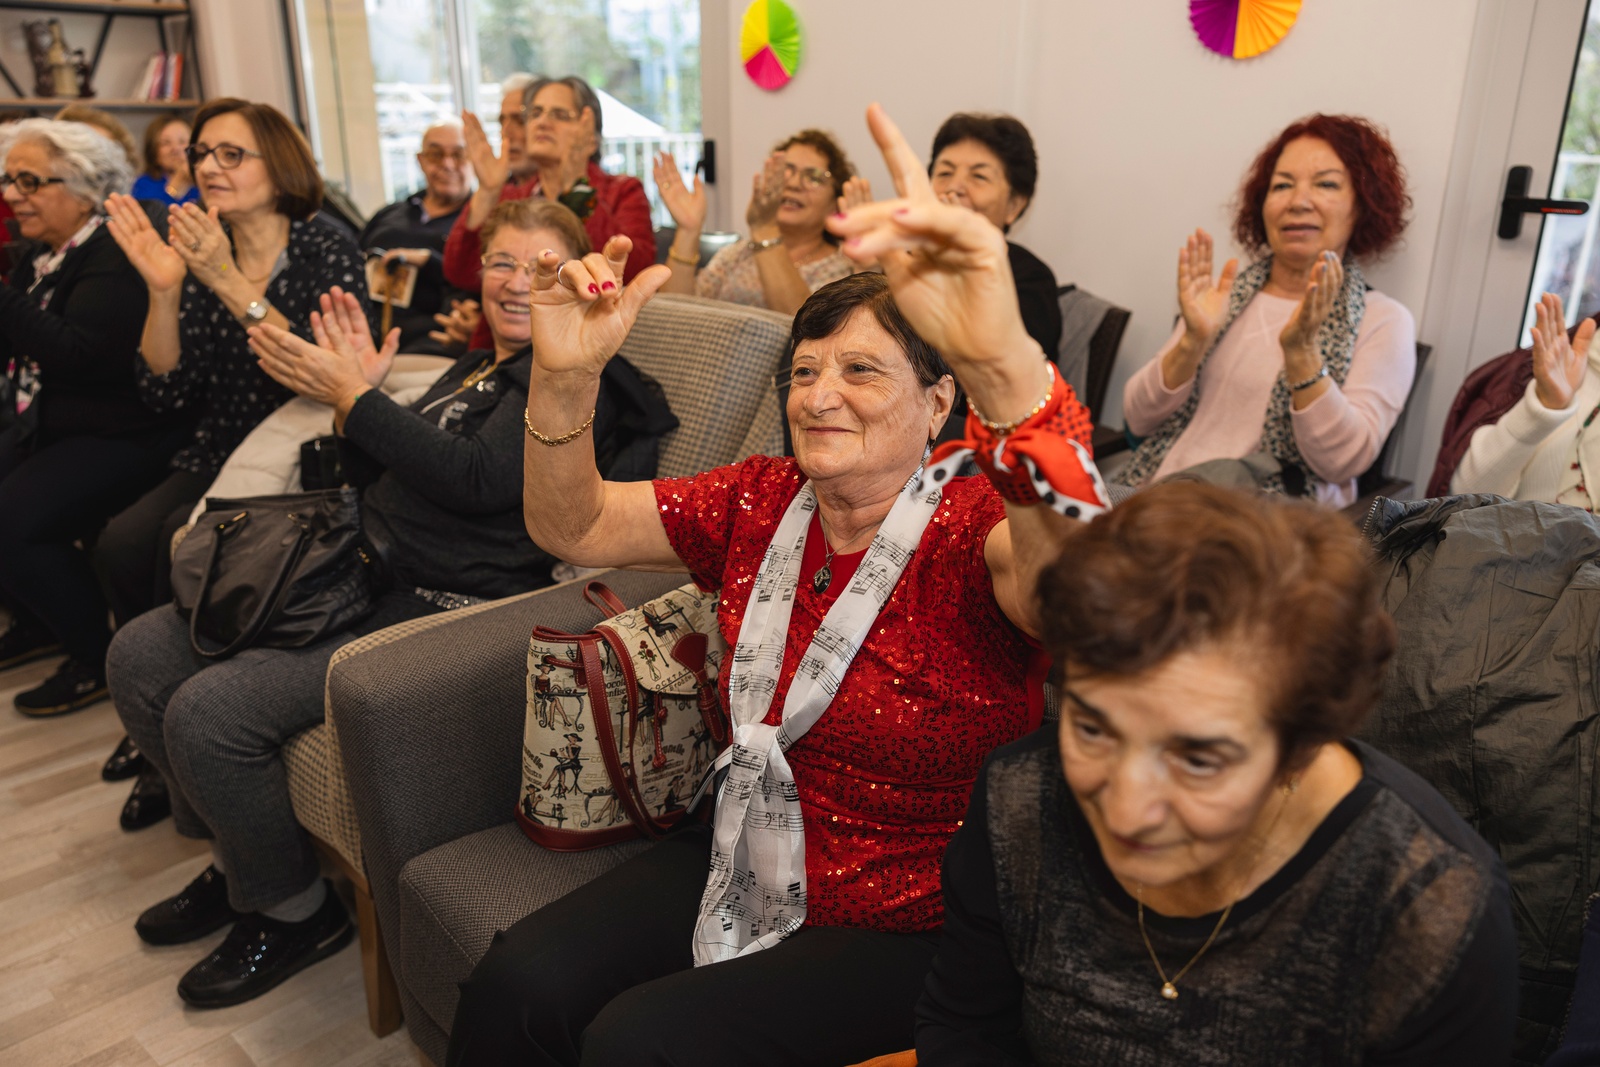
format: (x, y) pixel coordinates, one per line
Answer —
(1299, 335)
(581, 311)
(492, 170)
(1559, 363)
(1202, 301)
(342, 326)
(766, 193)
(157, 262)
(457, 327)
(948, 267)
(857, 191)
(198, 237)
(688, 209)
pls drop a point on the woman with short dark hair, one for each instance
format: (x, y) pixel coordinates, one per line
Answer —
(1294, 364)
(790, 254)
(1200, 865)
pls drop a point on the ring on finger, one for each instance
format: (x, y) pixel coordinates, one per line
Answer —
(562, 281)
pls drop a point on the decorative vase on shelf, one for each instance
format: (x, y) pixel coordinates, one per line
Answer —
(64, 74)
(38, 37)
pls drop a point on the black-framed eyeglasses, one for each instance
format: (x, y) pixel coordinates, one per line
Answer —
(558, 114)
(27, 182)
(228, 156)
(810, 177)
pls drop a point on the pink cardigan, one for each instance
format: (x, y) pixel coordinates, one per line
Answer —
(1339, 435)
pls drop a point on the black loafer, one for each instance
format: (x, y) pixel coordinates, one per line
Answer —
(201, 908)
(124, 763)
(148, 804)
(260, 953)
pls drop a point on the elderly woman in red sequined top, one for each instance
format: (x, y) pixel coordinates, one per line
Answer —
(880, 611)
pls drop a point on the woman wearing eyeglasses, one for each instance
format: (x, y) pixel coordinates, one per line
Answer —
(789, 255)
(561, 139)
(76, 443)
(256, 253)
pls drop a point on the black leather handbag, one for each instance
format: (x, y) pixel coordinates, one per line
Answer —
(274, 571)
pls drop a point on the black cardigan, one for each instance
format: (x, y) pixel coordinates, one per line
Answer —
(85, 341)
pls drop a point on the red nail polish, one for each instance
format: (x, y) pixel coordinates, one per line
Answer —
(593, 288)
(609, 286)
(838, 214)
(902, 211)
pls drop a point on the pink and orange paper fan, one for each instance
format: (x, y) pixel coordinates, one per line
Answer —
(1240, 29)
(769, 43)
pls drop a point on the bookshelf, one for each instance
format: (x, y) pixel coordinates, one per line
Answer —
(110, 10)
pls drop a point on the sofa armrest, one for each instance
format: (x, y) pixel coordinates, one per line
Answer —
(430, 726)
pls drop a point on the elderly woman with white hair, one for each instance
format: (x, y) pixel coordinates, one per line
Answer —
(77, 444)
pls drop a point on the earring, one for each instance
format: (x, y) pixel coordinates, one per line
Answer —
(1290, 786)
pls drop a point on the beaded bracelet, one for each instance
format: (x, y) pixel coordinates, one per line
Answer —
(1006, 429)
(1309, 382)
(565, 438)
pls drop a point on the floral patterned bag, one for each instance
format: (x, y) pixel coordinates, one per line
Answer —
(623, 722)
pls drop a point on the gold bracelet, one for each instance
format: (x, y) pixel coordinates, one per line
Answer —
(565, 438)
(688, 261)
(1006, 429)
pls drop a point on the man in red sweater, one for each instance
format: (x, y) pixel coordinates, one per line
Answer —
(560, 144)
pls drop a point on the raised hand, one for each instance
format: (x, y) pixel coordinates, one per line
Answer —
(948, 268)
(688, 209)
(1559, 364)
(580, 310)
(342, 326)
(492, 170)
(156, 261)
(312, 371)
(857, 191)
(459, 325)
(1300, 332)
(1202, 301)
(199, 239)
(766, 193)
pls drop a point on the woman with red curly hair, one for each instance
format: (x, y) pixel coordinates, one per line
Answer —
(1293, 365)
(1199, 864)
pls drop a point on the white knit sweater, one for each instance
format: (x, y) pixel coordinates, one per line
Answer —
(1525, 454)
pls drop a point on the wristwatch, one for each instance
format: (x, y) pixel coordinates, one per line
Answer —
(255, 314)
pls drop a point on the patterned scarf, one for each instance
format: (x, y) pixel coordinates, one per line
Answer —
(1336, 341)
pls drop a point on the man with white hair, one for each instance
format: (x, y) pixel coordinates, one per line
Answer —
(404, 241)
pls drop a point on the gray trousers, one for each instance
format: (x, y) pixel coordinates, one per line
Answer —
(216, 730)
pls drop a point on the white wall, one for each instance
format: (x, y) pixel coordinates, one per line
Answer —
(243, 51)
(1143, 134)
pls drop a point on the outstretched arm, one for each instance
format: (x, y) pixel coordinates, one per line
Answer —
(580, 315)
(951, 276)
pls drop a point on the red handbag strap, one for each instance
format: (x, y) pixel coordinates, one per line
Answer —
(622, 779)
(601, 596)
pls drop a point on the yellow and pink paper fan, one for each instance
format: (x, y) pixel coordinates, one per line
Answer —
(769, 43)
(1242, 28)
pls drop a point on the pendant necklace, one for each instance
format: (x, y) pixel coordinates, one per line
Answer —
(824, 576)
(1169, 986)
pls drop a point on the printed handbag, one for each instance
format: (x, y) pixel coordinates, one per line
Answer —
(623, 722)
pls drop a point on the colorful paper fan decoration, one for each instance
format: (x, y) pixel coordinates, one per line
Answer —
(769, 43)
(1242, 28)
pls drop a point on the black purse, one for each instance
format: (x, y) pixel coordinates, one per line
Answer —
(275, 571)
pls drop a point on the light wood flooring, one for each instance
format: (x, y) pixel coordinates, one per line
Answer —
(77, 986)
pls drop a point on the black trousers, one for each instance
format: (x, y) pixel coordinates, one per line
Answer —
(605, 976)
(134, 554)
(52, 495)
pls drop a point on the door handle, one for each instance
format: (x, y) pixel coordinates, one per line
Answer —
(1517, 203)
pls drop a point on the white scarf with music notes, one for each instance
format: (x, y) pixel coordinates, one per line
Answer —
(756, 891)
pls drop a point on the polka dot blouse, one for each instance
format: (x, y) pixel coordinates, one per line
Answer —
(217, 380)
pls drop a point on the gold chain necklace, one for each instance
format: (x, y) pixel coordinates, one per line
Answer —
(1169, 986)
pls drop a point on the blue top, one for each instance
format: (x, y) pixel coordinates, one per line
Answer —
(148, 188)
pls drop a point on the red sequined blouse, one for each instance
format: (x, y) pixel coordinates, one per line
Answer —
(942, 679)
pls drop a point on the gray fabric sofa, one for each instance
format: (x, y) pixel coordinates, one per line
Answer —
(430, 728)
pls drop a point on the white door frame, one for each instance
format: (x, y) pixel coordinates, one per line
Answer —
(1514, 96)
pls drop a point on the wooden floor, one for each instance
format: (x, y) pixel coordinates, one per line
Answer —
(77, 986)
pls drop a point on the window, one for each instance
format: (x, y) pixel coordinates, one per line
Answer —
(641, 56)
